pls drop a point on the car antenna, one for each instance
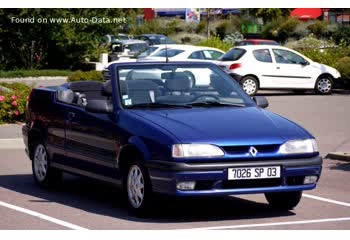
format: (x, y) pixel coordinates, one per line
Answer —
(166, 52)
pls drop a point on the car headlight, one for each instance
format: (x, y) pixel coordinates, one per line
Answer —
(299, 146)
(196, 150)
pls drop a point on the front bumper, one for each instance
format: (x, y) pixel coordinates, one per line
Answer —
(212, 178)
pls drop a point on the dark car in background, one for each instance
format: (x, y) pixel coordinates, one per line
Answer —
(126, 48)
(153, 39)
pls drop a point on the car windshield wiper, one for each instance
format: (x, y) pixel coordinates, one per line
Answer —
(157, 105)
(214, 104)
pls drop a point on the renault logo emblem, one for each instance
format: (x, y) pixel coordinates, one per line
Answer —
(253, 151)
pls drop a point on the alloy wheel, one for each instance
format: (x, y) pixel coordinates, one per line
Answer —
(135, 186)
(40, 163)
(249, 86)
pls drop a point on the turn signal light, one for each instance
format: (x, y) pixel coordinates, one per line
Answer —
(235, 65)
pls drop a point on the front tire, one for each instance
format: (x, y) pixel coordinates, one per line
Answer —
(137, 188)
(44, 175)
(283, 200)
(250, 85)
(324, 85)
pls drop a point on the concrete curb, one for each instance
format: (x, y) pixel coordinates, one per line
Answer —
(344, 156)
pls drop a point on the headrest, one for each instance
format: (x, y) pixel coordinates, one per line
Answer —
(82, 86)
(140, 75)
(142, 85)
(107, 89)
(66, 96)
(223, 87)
(173, 75)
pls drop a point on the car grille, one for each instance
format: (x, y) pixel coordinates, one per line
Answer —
(271, 148)
(252, 183)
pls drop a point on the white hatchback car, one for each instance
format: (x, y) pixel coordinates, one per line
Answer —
(276, 67)
(179, 52)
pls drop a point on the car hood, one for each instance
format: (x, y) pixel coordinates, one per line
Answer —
(325, 68)
(225, 126)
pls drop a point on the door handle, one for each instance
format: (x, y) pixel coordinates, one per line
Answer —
(278, 67)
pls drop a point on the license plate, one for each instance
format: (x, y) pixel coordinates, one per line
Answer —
(254, 173)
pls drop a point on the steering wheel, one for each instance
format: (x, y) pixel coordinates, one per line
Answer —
(206, 96)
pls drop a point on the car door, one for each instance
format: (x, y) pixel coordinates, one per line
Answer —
(262, 66)
(291, 70)
(91, 144)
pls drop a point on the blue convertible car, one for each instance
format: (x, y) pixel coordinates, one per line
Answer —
(179, 128)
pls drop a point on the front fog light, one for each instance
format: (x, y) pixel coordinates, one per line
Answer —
(186, 185)
(310, 179)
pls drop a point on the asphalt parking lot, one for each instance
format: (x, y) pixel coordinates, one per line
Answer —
(85, 204)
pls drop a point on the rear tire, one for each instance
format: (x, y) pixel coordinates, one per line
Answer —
(324, 85)
(44, 175)
(137, 188)
(284, 200)
(250, 85)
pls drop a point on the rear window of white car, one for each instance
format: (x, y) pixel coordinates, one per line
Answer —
(233, 54)
(262, 55)
(168, 52)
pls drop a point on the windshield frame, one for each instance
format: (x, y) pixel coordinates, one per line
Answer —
(247, 100)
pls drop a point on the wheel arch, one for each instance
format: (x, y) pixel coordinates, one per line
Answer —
(325, 75)
(135, 149)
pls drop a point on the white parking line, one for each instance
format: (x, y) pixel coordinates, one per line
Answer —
(271, 224)
(11, 143)
(43, 216)
(326, 200)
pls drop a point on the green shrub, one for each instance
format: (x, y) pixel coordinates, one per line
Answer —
(33, 73)
(215, 42)
(233, 38)
(318, 28)
(280, 29)
(222, 29)
(13, 98)
(322, 51)
(201, 27)
(85, 76)
(343, 66)
(188, 38)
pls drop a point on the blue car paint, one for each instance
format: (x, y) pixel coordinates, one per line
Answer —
(154, 131)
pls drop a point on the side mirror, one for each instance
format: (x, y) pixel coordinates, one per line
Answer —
(261, 101)
(305, 63)
(99, 106)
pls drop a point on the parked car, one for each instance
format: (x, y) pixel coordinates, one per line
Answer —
(126, 49)
(153, 39)
(256, 42)
(276, 67)
(167, 136)
(151, 50)
(180, 52)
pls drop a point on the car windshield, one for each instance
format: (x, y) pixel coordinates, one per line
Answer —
(233, 55)
(175, 85)
(147, 52)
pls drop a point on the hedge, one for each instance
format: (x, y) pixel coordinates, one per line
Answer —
(34, 73)
(13, 98)
(85, 76)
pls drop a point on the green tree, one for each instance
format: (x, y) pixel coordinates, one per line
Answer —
(54, 45)
(269, 14)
